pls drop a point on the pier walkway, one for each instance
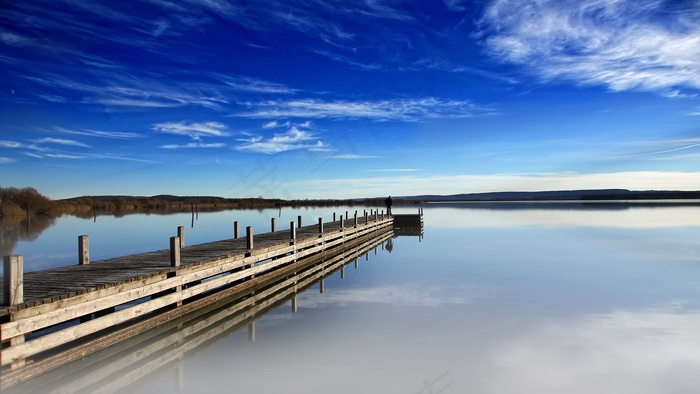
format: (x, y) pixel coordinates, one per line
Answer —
(53, 308)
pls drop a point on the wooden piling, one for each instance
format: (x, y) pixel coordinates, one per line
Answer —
(334, 216)
(342, 223)
(181, 235)
(83, 250)
(299, 220)
(292, 231)
(249, 238)
(236, 230)
(13, 280)
(355, 218)
(320, 225)
(175, 252)
(273, 226)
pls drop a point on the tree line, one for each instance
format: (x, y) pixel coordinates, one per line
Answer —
(28, 201)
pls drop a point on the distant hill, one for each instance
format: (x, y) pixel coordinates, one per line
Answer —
(602, 194)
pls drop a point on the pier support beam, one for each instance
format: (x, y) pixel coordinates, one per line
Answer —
(13, 286)
(273, 225)
(320, 225)
(355, 218)
(342, 223)
(249, 238)
(236, 230)
(83, 250)
(299, 220)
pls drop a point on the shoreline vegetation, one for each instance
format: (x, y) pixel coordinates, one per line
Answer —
(28, 202)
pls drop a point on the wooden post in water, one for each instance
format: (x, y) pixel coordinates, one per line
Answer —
(334, 216)
(249, 244)
(382, 214)
(273, 226)
(175, 262)
(342, 223)
(365, 216)
(175, 251)
(299, 219)
(13, 287)
(83, 250)
(181, 235)
(355, 218)
(320, 225)
(249, 238)
(236, 230)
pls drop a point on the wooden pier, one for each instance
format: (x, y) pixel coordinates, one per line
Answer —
(95, 304)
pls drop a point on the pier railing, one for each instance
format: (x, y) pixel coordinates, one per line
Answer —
(41, 325)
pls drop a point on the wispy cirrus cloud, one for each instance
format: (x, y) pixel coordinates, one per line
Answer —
(194, 145)
(407, 110)
(649, 45)
(294, 139)
(194, 130)
(10, 144)
(254, 85)
(353, 156)
(101, 134)
(6, 160)
(60, 141)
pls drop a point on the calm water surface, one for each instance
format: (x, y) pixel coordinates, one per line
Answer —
(550, 299)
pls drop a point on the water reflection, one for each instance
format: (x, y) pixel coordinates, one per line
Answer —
(19, 228)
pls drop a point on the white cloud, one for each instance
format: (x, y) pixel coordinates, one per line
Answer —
(6, 160)
(60, 141)
(194, 130)
(353, 156)
(194, 145)
(10, 144)
(407, 110)
(248, 84)
(294, 139)
(102, 134)
(624, 44)
(64, 156)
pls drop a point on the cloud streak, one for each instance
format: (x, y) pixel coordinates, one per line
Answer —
(624, 45)
(405, 110)
(194, 130)
(294, 139)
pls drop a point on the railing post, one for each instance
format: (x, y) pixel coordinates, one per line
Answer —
(292, 231)
(365, 216)
(175, 263)
(273, 226)
(236, 230)
(83, 250)
(299, 219)
(320, 225)
(181, 235)
(355, 218)
(13, 280)
(175, 251)
(342, 223)
(249, 238)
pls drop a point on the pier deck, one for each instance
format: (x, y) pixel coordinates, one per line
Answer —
(63, 282)
(70, 305)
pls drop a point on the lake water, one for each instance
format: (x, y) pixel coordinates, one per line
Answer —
(497, 298)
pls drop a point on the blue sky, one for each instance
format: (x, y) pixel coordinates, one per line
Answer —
(342, 99)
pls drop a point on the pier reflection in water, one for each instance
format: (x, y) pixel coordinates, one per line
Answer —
(165, 347)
